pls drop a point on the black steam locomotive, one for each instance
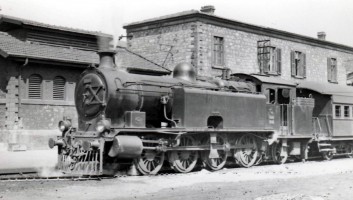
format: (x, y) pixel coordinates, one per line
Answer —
(150, 121)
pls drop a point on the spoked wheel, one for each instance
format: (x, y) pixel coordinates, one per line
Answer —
(184, 161)
(327, 155)
(215, 164)
(248, 153)
(276, 151)
(150, 161)
(259, 159)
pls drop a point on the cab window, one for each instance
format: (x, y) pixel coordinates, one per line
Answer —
(271, 96)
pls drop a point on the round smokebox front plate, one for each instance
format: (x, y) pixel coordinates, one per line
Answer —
(90, 95)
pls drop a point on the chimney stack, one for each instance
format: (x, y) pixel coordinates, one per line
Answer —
(107, 59)
(208, 9)
(321, 35)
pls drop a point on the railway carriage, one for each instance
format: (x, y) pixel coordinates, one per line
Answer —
(332, 117)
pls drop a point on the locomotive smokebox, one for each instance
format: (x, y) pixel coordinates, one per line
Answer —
(125, 146)
(107, 59)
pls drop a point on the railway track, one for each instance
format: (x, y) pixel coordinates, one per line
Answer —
(164, 172)
(36, 177)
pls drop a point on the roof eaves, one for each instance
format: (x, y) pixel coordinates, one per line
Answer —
(51, 59)
(165, 17)
(3, 53)
(20, 21)
(239, 25)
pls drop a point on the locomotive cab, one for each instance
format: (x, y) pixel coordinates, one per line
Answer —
(288, 114)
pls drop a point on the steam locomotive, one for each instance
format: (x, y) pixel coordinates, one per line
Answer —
(150, 122)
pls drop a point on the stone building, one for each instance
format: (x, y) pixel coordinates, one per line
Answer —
(39, 65)
(213, 43)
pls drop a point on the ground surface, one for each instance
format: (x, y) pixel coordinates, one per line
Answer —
(314, 180)
(27, 161)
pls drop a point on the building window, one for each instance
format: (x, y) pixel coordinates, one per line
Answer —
(35, 84)
(218, 51)
(298, 64)
(332, 70)
(269, 58)
(346, 111)
(338, 111)
(59, 88)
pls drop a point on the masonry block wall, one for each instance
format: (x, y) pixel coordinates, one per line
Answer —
(32, 121)
(11, 113)
(241, 54)
(166, 46)
(2, 117)
(192, 42)
(46, 112)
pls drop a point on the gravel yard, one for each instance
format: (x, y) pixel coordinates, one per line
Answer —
(314, 180)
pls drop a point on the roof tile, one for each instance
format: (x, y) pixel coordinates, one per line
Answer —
(11, 46)
(43, 25)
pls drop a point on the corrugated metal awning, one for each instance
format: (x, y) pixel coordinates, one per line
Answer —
(338, 93)
(327, 88)
(266, 79)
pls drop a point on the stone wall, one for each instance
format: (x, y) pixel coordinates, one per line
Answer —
(11, 113)
(192, 42)
(166, 46)
(241, 54)
(31, 122)
(46, 117)
(2, 116)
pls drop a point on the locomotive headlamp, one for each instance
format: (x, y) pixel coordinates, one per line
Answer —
(102, 126)
(64, 125)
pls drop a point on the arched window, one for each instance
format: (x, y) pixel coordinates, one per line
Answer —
(35, 86)
(59, 88)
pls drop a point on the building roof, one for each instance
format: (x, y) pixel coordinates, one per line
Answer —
(13, 47)
(195, 15)
(135, 62)
(19, 22)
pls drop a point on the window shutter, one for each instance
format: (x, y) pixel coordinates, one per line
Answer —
(35, 87)
(279, 61)
(335, 71)
(266, 66)
(59, 88)
(221, 51)
(329, 71)
(267, 58)
(292, 61)
(304, 65)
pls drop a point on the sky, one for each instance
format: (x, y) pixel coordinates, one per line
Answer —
(305, 17)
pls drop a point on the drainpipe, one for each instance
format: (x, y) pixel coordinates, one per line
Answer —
(19, 84)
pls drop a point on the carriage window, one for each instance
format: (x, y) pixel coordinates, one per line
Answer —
(271, 96)
(338, 111)
(346, 111)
